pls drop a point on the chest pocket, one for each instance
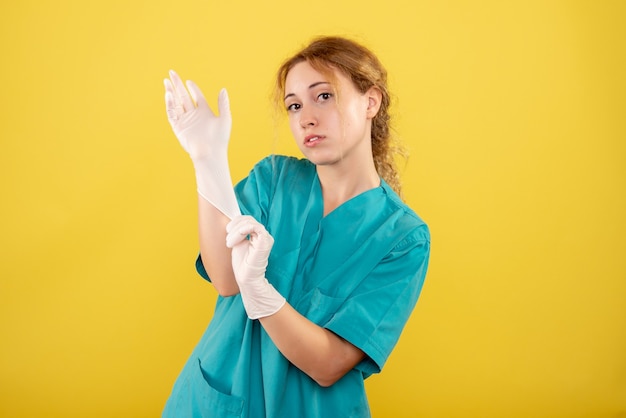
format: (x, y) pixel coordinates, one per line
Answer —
(318, 307)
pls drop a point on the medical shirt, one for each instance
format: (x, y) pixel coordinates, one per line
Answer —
(357, 271)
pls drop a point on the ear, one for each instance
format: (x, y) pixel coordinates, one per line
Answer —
(374, 98)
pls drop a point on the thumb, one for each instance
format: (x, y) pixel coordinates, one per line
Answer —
(223, 103)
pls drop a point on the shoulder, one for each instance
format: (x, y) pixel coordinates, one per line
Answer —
(278, 163)
(272, 179)
(405, 219)
(275, 169)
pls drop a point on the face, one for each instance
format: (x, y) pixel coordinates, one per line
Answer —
(330, 123)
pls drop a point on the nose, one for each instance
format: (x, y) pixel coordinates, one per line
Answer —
(308, 118)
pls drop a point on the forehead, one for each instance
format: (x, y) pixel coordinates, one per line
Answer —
(303, 75)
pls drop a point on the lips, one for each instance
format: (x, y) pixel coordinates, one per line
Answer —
(312, 140)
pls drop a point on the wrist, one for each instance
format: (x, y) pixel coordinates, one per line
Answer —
(260, 298)
(214, 184)
(209, 159)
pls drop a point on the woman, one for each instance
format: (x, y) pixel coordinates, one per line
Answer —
(321, 272)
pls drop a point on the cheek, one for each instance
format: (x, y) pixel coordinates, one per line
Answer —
(293, 124)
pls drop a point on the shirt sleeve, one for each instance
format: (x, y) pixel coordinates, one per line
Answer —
(373, 317)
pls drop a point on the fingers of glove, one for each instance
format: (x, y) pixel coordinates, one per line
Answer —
(260, 247)
(234, 238)
(261, 240)
(197, 95)
(168, 86)
(236, 221)
(245, 267)
(180, 92)
(243, 226)
(234, 230)
(223, 104)
(173, 110)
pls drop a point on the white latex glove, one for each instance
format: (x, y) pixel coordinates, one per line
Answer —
(205, 138)
(250, 256)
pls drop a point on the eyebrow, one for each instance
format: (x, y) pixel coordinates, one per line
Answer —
(310, 87)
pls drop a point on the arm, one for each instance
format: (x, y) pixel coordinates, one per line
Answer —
(318, 352)
(205, 136)
(215, 255)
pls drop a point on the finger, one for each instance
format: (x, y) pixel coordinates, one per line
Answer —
(241, 227)
(236, 221)
(170, 95)
(197, 95)
(259, 237)
(170, 92)
(170, 106)
(168, 85)
(173, 107)
(181, 92)
(233, 237)
(250, 228)
(261, 240)
(223, 103)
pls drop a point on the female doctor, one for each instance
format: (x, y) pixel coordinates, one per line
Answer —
(317, 261)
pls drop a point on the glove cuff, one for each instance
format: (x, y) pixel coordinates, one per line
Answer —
(261, 299)
(214, 185)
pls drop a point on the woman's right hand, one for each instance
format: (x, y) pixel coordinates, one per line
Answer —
(201, 133)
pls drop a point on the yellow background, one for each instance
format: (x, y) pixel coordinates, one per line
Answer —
(514, 113)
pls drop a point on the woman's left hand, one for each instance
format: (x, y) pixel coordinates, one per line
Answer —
(251, 246)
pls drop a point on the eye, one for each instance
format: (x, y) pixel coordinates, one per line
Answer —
(324, 96)
(293, 107)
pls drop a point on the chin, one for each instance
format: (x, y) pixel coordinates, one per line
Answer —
(322, 160)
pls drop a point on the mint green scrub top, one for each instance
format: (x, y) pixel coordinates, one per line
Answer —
(357, 272)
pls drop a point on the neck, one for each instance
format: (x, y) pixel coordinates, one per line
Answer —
(340, 183)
